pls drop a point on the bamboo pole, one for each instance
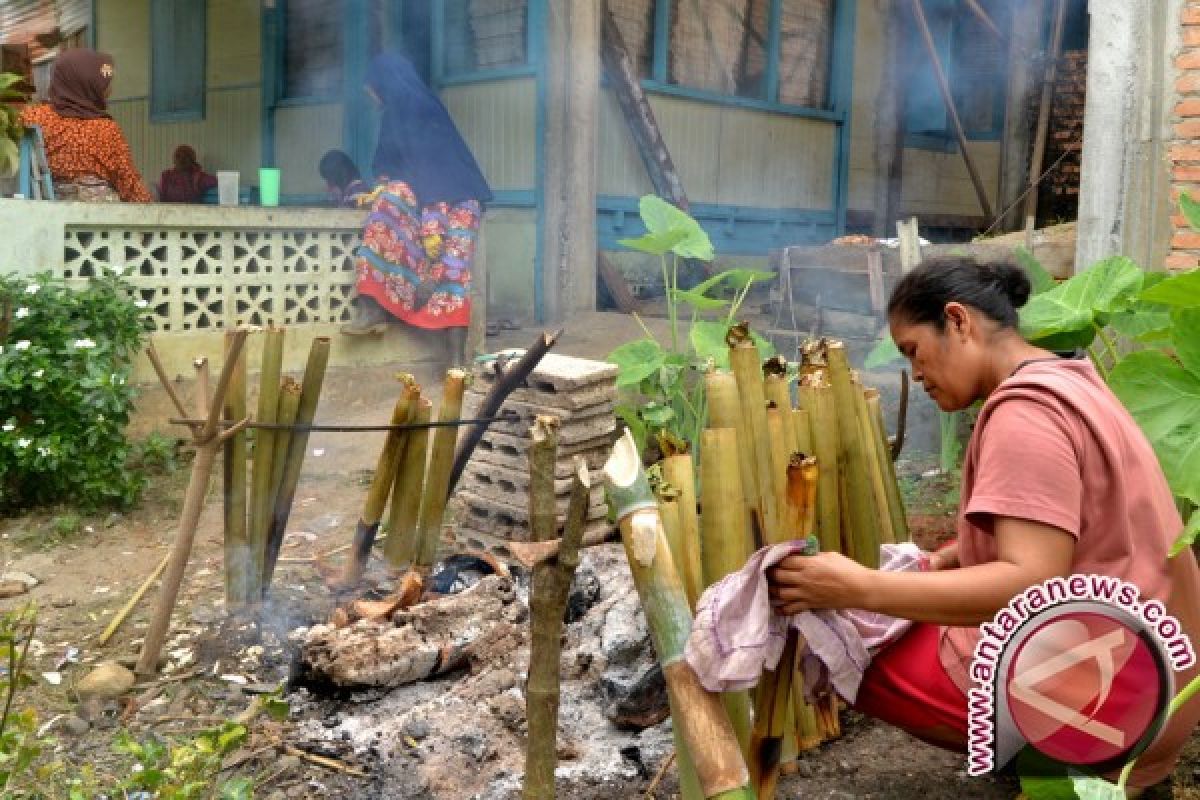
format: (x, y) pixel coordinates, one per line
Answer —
(239, 583)
(437, 476)
(207, 442)
(725, 411)
(680, 473)
(873, 465)
(704, 731)
(778, 392)
(120, 617)
(863, 525)
(746, 362)
(310, 397)
(404, 515)
(803, 429)
(721, 552)
(816, 397)
(888, 468)
(285, 414)
(261, 491)
(384, 476)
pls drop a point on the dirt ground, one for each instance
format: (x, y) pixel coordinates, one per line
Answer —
(89, 566)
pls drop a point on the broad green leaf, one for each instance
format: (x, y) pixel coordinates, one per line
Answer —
(883, 353)
(1164, 398)
(1140, 324)
(10, 156)
(656, 244)
(736, 279)
(1039, 787)
(636, 361)
(1048, 315)
(633, 421)
(1089, 788)
(656, 415)
(697, 300)
(1191, 210)
(1185, 335)
(1072, 307)
(8, 79)
(1042, 280)
(708, 340)
(1188, 536)
(1178, 290)
(659, 216)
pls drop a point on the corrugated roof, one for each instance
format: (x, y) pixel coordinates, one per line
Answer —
(22, 20)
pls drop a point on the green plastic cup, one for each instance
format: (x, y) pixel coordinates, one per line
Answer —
(268, 186)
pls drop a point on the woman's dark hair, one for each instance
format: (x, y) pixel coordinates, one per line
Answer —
(338, 169)
(994, 288)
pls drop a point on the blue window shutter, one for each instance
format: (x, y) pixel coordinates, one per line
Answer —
(178, 34)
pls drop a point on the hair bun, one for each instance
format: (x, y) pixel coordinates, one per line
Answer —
(1012, 279)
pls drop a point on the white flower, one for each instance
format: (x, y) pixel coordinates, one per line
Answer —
(141, 303)
(24, 442)
(22, 313)
(32, 288)
(39, 422)
(9, 427)
(84, 344)
(43, 452)
(22, 345)
(39, 373)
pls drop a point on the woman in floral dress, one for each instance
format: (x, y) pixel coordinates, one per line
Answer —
(419, 240)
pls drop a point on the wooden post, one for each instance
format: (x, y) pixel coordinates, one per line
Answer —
(239, 583)
(889, 125)
(951, 109)
(1024, 38)
(1043, 123)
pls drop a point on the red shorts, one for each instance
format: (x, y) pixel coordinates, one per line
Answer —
(907, 686)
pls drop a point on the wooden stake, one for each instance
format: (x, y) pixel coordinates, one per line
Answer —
(261, 491)
(679, 472)
(404, 516)
(437, 478)
(127, 609)
(310, 396)
(239, 583)
(703, 728)
(207, 443)
(1043, 120)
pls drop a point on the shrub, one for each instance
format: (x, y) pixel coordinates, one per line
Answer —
(65, 396)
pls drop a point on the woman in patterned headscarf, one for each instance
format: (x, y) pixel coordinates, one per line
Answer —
(415, 262)
(88, 156)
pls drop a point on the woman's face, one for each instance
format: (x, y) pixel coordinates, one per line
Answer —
(947, 363)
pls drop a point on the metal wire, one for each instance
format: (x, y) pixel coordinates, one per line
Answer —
(508, 416)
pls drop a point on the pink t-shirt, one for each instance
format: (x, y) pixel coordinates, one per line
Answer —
(1054, 445)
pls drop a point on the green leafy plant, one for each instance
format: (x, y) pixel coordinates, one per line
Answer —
(66, 358)
(11, 96)
(669, 377)
(20, 743)
(185, 769)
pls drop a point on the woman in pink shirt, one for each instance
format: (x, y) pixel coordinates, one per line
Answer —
(1058, 480)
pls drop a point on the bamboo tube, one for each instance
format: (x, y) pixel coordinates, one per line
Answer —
(239, 585)
(680, 473)
(780, 438)
(437, 476)
(860, 508)
(725, 411)
(668, 509)
(803, 429)
(808, 729)
(704, 732)
(264, 451)
(816, 398)
(310, 396)
(403, 517)
(778, 392)
(381, 482)
(895, 499)
(119, 618)
(722, 550)
(873, 466)
(747, 368)
(285, 414)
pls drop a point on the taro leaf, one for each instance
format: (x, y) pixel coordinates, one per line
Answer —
(1042, 280)
(657, 415)
(696, 299)
(1179, 290)
(1142, 324)
(1189, 535)
(708, 340)
(629, 415)
(736, 279)
(656, 244)
(659, 216)
(1051, 787)
(637, 361)
(1071, 307)
(1191, 210)
(1164, 398)
(1185, 335)
(1089, 788)
(883, 353)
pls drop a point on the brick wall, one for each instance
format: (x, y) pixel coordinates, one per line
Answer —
(1185, 147)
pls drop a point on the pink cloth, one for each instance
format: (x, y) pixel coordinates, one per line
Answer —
(736, 634)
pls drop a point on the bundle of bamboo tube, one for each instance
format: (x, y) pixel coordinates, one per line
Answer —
(789, 452)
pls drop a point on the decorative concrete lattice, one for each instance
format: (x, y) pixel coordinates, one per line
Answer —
(198, 278)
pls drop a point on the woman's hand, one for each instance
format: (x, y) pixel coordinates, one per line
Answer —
(826, 580)
(944, 558)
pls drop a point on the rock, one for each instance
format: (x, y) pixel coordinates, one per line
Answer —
(20, 577)
(510, 710)
(804, 768)
(416, 728)
(108, 680)
(585, 591)
(75, 726)
(637, 703)
(475, 745)
(62, 602)
(625, 637)
(289, 763)
(12, 589)
(495, 682)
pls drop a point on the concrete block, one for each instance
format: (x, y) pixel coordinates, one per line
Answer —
(511, 481)
(512, 447)
(556, 374)
(497, 461)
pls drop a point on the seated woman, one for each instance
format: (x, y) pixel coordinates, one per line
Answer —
(186, 182)
(88, 156)
(1057, 480)
(342, 179)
